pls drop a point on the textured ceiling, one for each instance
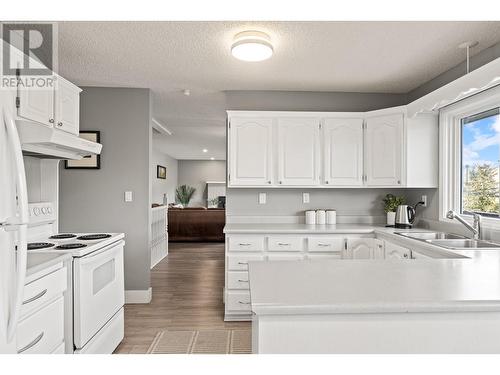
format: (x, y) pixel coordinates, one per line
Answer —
(167, 57)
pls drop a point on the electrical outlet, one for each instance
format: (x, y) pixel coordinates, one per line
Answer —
(262, 198)
(305, 197)
(424, 199)
(128, 196)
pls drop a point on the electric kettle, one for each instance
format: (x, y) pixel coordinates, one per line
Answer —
(405, 215)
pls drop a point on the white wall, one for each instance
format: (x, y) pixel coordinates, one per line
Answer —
(160, 186)
(196, 173)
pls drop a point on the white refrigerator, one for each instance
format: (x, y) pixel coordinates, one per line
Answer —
(13, 227)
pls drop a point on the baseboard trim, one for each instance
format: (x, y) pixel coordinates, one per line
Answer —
(138, 296)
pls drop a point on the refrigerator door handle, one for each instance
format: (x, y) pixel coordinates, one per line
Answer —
(22, 201)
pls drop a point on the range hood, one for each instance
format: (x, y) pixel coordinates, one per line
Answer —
(45, 142)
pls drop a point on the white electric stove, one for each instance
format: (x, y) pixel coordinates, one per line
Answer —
(98, 281)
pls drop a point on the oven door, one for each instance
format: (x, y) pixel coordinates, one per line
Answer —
(98, 290)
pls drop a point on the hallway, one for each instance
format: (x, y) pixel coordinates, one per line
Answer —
(187, 295)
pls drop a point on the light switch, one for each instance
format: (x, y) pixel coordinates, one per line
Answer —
(305, 197)
(262, 198)
(128, 196)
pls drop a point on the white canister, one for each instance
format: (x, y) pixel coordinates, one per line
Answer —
(391, 218)
(331, 217)
(321, 217)
(310, 217)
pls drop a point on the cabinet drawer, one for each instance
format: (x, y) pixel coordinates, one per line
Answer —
(246, 243)
(325, 244)
(297, 256)
(238, 280)
(43, 290)
(238, 301)
(285, 243)
(240, 262)
(43, 331)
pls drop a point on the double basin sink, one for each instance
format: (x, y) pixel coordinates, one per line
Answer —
(451, 241)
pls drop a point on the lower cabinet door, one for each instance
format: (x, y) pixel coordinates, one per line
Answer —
(43, 331)
(393, 251)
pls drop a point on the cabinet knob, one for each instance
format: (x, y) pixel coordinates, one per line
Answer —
(59, 124)
(51, 120)
(326, 182)
(268, 182)
(281, 182)
(399, 182)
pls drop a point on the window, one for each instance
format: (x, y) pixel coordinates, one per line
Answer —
(480, 163)
(469, 157)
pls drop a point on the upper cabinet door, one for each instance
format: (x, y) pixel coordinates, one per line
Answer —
(36, 104)
(250, 151)
(384, 151)
(343, 152)
(67, 106)
(298, 151)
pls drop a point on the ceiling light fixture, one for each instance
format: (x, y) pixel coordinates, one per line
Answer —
(186, 92)
(204, 150)
(252, 46)
(212, 158)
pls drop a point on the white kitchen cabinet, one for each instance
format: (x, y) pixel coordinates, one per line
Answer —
(36, 105)
(364, 248)
(343, 151)
(298, 151)
(250, 151)
(384, 150)
(67, 106)
(58, 106)
(393, 251)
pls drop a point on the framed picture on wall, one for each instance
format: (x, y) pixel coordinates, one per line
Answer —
(87, 162)
(161, 172)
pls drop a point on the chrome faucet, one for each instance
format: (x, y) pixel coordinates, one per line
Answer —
(475, 228)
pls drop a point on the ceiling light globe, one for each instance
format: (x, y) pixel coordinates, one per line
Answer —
(252, 46)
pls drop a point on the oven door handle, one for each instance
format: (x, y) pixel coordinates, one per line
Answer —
(99, 252)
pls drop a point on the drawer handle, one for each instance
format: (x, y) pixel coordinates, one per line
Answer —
(31, 344)
(243, 303)
(34, 298)
(242, 281)
(243, 263)
(324, 244)
(244, 244)
(283, 244)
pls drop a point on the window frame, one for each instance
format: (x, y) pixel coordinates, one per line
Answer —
(450, 151)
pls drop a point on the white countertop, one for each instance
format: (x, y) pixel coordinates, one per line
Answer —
(301, 228)
(38, 261)
(454, 281)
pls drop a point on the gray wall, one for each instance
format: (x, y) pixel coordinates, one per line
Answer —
(93, 200)
(160, 186)
(288, 202)
(476, 61)
(196, 173)
(311, 101)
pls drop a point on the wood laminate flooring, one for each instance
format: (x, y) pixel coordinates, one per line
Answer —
(187, 294)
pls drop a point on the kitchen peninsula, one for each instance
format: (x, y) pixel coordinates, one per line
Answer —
(434, 301)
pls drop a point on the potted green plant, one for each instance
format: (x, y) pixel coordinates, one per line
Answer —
(184, 193)
(391, 203)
